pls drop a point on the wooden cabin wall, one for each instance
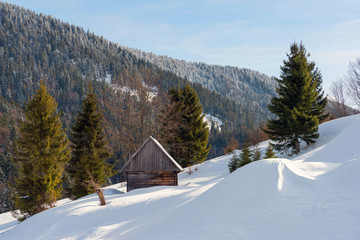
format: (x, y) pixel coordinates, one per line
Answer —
(148, 179)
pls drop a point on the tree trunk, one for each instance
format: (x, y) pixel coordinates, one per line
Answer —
(101, 196)
(297, 147)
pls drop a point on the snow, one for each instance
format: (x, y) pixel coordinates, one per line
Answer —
(6, 222)
(108, 78)
(212, 119)
(314, 195)
(152, 91)
(117, 88)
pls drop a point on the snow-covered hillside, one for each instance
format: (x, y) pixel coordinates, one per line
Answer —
(314, 195)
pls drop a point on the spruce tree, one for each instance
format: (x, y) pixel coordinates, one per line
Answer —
(270, 152)
(89, 150)
(256, 153)
(234, 163)
(319, 108)
(41, 154)
(299, 105)
(183, 128)
(245, 156)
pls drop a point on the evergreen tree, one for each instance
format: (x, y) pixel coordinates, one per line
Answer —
(319, 107)
(256, 153)
(41, 154)
(183, 128)
(89, 150)
(270, 152)
(234, 163)
(245, 156)
(299, 105)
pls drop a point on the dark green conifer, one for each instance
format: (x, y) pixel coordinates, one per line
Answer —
(184, 128)
(321, 101)
(89, 150)
(41, 154)
(245, 156)
(256, 153)
(234, 163)
(270, 152)
(299, 105)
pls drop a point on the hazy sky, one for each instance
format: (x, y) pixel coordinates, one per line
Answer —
(251, 34)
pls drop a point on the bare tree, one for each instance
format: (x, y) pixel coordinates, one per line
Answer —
(232, 145)
(339, 105)
(353, 82)
(138, 117)
(97, 188)
(170, 122)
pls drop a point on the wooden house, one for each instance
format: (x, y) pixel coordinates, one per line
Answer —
(150, 166)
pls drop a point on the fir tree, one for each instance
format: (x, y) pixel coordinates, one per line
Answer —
(89, 150)
(256, 153)
(299, 104)
(245, 156)
(270, 152)
(183, 128)
(41, 154)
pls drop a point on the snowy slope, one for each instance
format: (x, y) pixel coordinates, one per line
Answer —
(315, 195)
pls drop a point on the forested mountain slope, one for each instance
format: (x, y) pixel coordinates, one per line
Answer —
(247, 87)
(34, 46)
(68, 59)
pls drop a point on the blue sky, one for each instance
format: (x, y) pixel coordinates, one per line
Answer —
(251, 34)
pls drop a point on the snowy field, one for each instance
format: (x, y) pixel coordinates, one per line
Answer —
(315, 195)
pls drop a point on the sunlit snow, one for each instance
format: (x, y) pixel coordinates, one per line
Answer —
(314, 195)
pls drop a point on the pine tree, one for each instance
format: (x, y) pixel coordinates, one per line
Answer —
(41, 154)
(245, 156)
(183, 128)
(270, 152)
(299, 105)
(256, 153)
(89, 150)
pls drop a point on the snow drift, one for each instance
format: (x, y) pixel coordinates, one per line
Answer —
(314, 195)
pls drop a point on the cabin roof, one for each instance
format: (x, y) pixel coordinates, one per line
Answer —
(151, 156)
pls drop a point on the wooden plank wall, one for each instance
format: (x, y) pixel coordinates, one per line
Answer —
(151, 158)
(148, 179)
